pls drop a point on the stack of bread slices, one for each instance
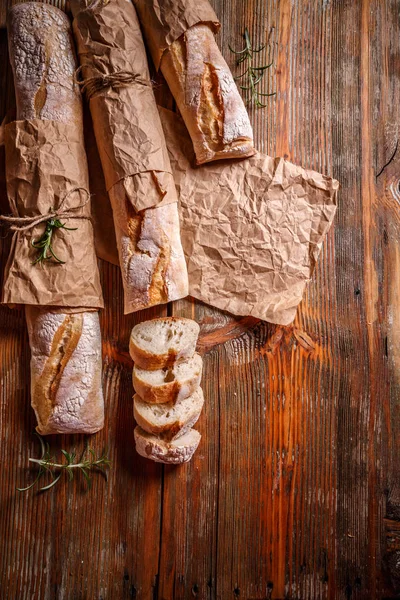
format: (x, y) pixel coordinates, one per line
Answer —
(166, 378)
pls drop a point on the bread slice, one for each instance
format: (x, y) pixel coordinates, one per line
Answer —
(176, 452)
(169, 420)
(160, 343)
(170, 384)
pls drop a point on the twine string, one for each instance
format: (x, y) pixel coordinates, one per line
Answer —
(92, 4)
(22, 224)
(99, 82)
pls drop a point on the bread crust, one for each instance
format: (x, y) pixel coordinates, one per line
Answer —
(150, 361)
(43, 61)
(171, 391)
(151, 256)
(65, 371)
(160, 451)
(207, 96)
(170, 430)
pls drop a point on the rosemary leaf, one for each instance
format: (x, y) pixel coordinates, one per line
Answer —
(253, 74)
(43, 244)
(48, 465)
(51, 484)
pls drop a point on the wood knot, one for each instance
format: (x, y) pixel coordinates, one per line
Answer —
(285, 335)
(304, 340)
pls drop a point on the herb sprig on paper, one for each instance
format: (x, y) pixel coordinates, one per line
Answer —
(48, 466)
(43, 244)
(253, 74)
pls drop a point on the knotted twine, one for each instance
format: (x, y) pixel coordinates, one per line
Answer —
(100, 82)
(21, 224)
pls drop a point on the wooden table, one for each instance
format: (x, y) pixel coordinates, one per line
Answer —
(295, 490)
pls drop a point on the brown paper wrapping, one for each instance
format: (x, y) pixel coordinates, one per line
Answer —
(44, 161)
(126, 121)
(165, 21)
(132, 150)
(103, 222)
(251, 230)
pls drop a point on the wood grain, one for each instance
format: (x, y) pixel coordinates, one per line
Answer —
(294, 492)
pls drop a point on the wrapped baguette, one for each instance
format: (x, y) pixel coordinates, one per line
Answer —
(180, 37)
(132, 150)
(66, 344)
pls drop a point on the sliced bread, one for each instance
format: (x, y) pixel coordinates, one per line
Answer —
(170, 420)
(178, 451)
(160, 343)
(170, 384)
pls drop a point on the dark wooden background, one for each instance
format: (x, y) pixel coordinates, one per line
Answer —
(295, 489)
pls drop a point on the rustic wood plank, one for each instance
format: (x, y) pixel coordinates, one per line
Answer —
(385, 112)
(363, 451)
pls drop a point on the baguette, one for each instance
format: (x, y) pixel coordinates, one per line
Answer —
(67, 394)
(207, 96)
(43, 61)
(65, 371)
(171, 420)
(160, 343)
(177, 451)
(168, 385)
(134, 156)
(150, 253)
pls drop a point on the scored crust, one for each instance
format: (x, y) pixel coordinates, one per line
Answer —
(151, 256)
(145, 354)
(174, 385)
(66, 365)
(43, 60)
(178, 451)
(207, 96)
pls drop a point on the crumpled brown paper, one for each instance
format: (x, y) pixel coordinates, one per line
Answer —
(44, 161)
(251, 230)
(164, 21)
(103, 221)
(126, 121)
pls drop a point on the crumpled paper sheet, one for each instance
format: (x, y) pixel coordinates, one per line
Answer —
(44, 160)
(251, 230)
(126, 121)
(164, 21)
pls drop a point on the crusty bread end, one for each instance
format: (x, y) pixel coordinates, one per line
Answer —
(176, 452)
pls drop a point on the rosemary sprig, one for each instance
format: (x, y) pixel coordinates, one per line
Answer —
(253, 74)
(56, 470)
(43, 244)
